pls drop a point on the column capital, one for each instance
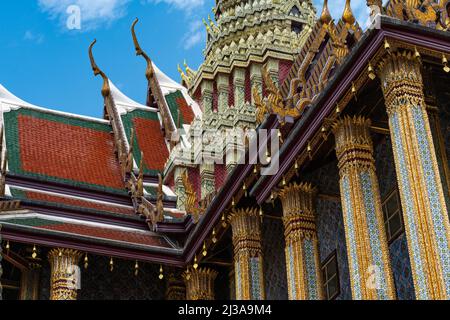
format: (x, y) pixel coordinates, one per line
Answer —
(200, 283)
(353, 142)
(302, 250)
(64, 263)
(246, 228)
(299, 216)
(248, 256)
(401, 80)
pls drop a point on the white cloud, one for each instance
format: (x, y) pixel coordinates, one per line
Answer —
(181, 4)
(33, 37)
(195, 35)
(94, 13)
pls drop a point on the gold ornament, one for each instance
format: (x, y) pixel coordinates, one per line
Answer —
(34, 254)
(161, 273)
(204, 252)
(111, 265)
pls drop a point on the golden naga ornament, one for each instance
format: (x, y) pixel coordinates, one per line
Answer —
(275, 102)
(191, 199)
(139, 52)
(106, 90)
(261, 108)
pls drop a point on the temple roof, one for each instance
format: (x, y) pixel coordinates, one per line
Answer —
(64, 178)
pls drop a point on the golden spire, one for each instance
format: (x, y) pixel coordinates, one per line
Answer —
(325, 17)
(140, 52)
(348, 16)
(105, 89)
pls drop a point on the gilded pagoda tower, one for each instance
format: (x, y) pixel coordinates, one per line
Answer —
(244, 38)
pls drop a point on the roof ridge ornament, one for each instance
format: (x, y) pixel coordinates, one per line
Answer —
(106, 90)
(325, 17)
(139, 52)
(347, 15)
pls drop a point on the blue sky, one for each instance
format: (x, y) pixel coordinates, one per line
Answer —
(45, 63)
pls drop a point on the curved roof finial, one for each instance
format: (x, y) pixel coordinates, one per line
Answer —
(325, 17)
(105, 89)
(347, 15)
(140, 52)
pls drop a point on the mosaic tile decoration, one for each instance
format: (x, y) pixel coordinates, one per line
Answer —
(410, 222)
(273, 244)
(401, 269)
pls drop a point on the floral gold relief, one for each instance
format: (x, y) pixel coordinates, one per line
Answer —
(420, 182)
(200, 283)
(302, 249)
(64, 263)
(368, 255)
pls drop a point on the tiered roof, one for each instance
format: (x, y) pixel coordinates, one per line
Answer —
(64, 178)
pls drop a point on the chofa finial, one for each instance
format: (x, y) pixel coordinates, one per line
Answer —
(347, 15)
(140, 52)
(325, 17)
(105, 89)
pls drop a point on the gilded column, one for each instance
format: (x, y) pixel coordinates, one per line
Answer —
(302, 247)
(200, 284)
(420, 183)
(65, 275)
(367, 246)
(176, 289)
(248, 257)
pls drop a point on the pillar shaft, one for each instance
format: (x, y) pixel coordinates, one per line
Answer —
(248, 257)
(420, 183)
(200, 284)
(302, 248)
(64, 274)
(367, 246)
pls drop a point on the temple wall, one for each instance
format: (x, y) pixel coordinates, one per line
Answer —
(275, 280)
(330, 224)
(99, 283)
